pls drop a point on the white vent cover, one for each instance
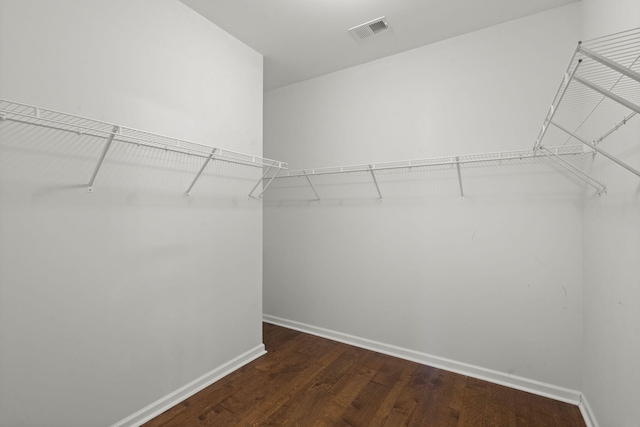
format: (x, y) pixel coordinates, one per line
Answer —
(369, 29)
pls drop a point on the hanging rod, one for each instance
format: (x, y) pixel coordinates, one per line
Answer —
(606, 68)
(43, 117)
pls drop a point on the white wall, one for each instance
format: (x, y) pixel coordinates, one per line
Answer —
(494, 280)
(111, 300)
(611, 253)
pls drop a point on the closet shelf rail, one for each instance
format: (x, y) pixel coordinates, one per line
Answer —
(37, 116)
(602, 73)
(455, 161)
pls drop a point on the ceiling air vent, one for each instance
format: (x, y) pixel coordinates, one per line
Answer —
(369, 29)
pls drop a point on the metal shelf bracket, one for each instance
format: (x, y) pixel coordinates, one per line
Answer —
(459, 178)
(258, 183)
(312, 187)
(107, 145)
(259, 197)
(204, 165)
(375, 181)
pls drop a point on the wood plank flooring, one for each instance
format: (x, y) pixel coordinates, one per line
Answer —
(310, 381)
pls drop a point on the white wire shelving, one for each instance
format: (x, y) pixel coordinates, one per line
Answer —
(558, 154)
(601, 81)
(47, 118)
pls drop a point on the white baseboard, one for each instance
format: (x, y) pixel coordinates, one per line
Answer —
(159, 406)
(520, 383)
(587, 412)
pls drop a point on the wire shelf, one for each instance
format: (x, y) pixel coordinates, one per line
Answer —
(38, 116)
(437, 161)
(599, 93)
(602, 82)
(557, 154)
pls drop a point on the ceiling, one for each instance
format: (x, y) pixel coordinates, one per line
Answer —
(302, 39)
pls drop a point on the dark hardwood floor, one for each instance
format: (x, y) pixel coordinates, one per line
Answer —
(310, 381)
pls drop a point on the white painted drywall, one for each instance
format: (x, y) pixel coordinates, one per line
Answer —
(611, 252)
(494, 280)
(111, 300)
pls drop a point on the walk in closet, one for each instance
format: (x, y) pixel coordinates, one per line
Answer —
(292, 219)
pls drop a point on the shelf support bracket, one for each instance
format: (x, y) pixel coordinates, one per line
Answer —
(269, 183)
(311, 184)
(204, 165)
(459, 178)
(375, 181)
(258, 183)
(574, 170)
(611, 64)
(107, 145)
(264, 176)
(552, 110)
(599, 150)
(610, 95)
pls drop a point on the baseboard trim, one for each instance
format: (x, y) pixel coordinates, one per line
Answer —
(587, 412)
(520, 383)
(159, 406)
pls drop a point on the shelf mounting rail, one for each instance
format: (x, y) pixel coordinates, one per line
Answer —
(11, 111)
(613, 61)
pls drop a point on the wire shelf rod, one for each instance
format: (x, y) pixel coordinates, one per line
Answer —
(613, 96)
(600, 74)
(169, 149)
(617, 49)
(598, 104)
(625, 60)
(180, 150)
(567, 150)
(146, 142)
(611, 64)
(66, 121)
(614, 36)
